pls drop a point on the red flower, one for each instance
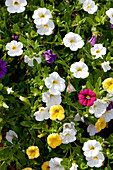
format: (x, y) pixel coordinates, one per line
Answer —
(87, 97)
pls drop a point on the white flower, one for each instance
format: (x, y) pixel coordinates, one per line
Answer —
(70, 88)
(51, 99)
(54, 164)
(105, 66)
(81, 1)
(80, 70)
(91, 148)
(42, 114)
(9, 90)
(109, 13)
(15, 48)
(74, 166)
(10, 135)
(91, 130)
(41, 16)
(108, 115)
(95, 161)
(110, 96)
(15, 5)
(55, 83)
(98, 108)
(98, 50)
(89, 6)
(73, 41)
(68, 135)
(78, 118)
(46, 29)
(69, 126)
(30, 61)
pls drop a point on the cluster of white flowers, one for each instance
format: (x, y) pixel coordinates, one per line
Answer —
(30, 60)
(89, 6)
(10, 135)
(42, 20)
(92, 152)
(69, 132)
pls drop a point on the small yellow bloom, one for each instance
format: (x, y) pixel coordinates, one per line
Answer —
(54, 140)
(1, 119)
(33, 152)
(0, 138)
(27, 168)
(45, 166)
(41, 135)
(56, 112)
(100, 124)
(108, 85)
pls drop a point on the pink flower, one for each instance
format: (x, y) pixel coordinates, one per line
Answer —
(87, 97)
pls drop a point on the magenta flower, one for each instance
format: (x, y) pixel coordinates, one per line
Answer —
(49, 56)
(111, 26)
(93, 39)
(87, 97)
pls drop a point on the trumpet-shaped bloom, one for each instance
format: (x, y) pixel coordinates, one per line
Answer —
(30, 60)
(49, 56)
(91, 130)
(33, 152)
(106, 66)
(98, 50)
(108, 85)
(54, 140)
(54, 164)
(56, 112)
(45, 166)
(10, 135)
(100, 124)
(42, 114)
(109, 13)
(89, 6)
(93, 39)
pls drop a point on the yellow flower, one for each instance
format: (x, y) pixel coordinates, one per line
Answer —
(108, 85)
(33, 152)
(1, 119)
(45, 166)
(56, 112)
(41, 135)
(100, 124)
(0, 138)
(54, 140)
(27, 168)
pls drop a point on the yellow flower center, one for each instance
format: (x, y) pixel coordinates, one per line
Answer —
(45, 26)
(92, 148)
(88, 97)
(55, 82)
(72, 41)
(51, 95)
(95, 106)
(58, 166)
(98, 51)
(79, 69)
(88, 6)
(95, 157)
(14, 47)
(67, 134)
(42, 16)
(41, 110)
(106, 112)
(16, 3)
(112, 15)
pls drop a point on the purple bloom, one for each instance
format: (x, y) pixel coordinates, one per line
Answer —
(49, 56)
(111, 26)
(93, 39)
(3, 68)
(15, 37)
(110, 106)
(107, 18)
(30, 46)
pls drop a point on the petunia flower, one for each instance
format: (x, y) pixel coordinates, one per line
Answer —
(3, 69)
(111, 26)
(89, 6)
(93, 39)
(87, 97)
(49, 56)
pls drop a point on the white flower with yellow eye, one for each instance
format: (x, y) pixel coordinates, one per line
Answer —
(10, 135)
(74, 166)
(109, 13)
(68, 135)
(14, 48)
(89, 6)
(30, 60)
(42, 114)
(15, 5)
(98, 50)
(106, 66)
(54, 164)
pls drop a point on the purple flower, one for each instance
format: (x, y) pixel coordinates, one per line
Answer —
(93, 39)
(111, 26)
(15, 37)
(49, 56)
(107, 18)
(3, 68)
(30, 46)
(110, 106)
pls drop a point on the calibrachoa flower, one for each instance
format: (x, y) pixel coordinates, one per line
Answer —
(45, 166)
(69, 126)
(41, 16)
(30, 60)
(79, 70)
(70, 88)
(74, 166)
(27, 168)
(73, 41)
(42, 114)
(109, 13)
(93, 39)
(15, 5)
(89, 6)
(54, 140)
(98, 108)
(100, 124)
(110, 106)
(106, 66)
(108, 115)
(33, 152)
(78, 118)
(49, 56)
(9, 90)
(111, 26)
(55, 83)
(91, 130)
(15, 48)
(56, 112)
(108, 85)
(98, 50)
(3, 69)
(68, 135)
(91, 148)
(95, 161)
(87, 97)
(46, 29)
(10, 135)
(51, 99)
(54, 164)
(15, 37)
